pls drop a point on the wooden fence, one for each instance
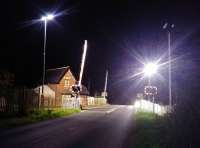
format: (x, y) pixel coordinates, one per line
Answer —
(18, 100)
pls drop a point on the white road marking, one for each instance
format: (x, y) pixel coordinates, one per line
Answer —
(111, 110)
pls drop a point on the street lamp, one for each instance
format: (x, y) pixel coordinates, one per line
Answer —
(169, 27)
(150, 69)
(45, 19)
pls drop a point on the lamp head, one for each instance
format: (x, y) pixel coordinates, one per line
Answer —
(150, 69)
(50, 16)
(47, 17)
(43, 18)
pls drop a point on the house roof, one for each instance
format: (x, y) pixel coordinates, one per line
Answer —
(55, 75)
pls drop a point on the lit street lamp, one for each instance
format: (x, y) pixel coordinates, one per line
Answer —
(45, 19)
(150, 69)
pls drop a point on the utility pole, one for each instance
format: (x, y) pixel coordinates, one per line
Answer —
(168, 27)
(44, 61)
(106, 83)
(170, 72)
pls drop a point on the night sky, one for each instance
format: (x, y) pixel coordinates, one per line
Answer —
(118, 32)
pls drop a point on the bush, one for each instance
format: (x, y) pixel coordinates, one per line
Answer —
(184, 124)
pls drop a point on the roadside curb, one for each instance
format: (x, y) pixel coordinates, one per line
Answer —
(88, 108)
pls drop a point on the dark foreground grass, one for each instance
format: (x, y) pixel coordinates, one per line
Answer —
(36, 116)
(148, 131)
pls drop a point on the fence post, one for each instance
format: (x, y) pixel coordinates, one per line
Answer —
(39, 99)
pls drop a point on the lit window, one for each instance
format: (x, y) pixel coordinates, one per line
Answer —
(67, 83)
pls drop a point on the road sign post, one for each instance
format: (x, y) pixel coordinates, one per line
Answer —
(151, 91)
(76, 89)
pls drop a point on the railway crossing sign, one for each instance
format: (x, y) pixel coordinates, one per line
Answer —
(150, 90)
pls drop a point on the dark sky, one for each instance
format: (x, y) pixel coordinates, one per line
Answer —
(117, 31)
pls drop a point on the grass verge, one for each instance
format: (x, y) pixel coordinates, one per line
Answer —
(36, 116)
(149, 130)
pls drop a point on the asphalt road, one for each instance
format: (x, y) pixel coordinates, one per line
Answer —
(105, 127)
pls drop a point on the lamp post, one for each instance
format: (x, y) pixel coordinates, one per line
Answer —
(106, 83)
(169, 27)
(45, 19)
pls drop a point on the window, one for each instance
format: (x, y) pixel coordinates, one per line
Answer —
(66, 82)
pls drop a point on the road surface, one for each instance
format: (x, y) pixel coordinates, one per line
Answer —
(105, 127)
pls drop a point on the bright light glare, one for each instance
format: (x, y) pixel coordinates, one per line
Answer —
(48, 17)
(137, 104)
(144, 105)
(150, 69)
(43, 18)
(130, 107)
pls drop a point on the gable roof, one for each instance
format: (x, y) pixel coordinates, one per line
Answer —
(55, 75)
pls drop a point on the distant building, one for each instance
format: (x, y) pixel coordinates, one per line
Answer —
(49, 96)
(6, 83)
(58, 91)
(6, 79)
(61, 81)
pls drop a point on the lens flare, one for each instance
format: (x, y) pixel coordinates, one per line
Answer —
(50, 16)
(144, 105)
(150, 69)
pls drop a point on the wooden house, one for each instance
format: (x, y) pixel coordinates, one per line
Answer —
(61, 81)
